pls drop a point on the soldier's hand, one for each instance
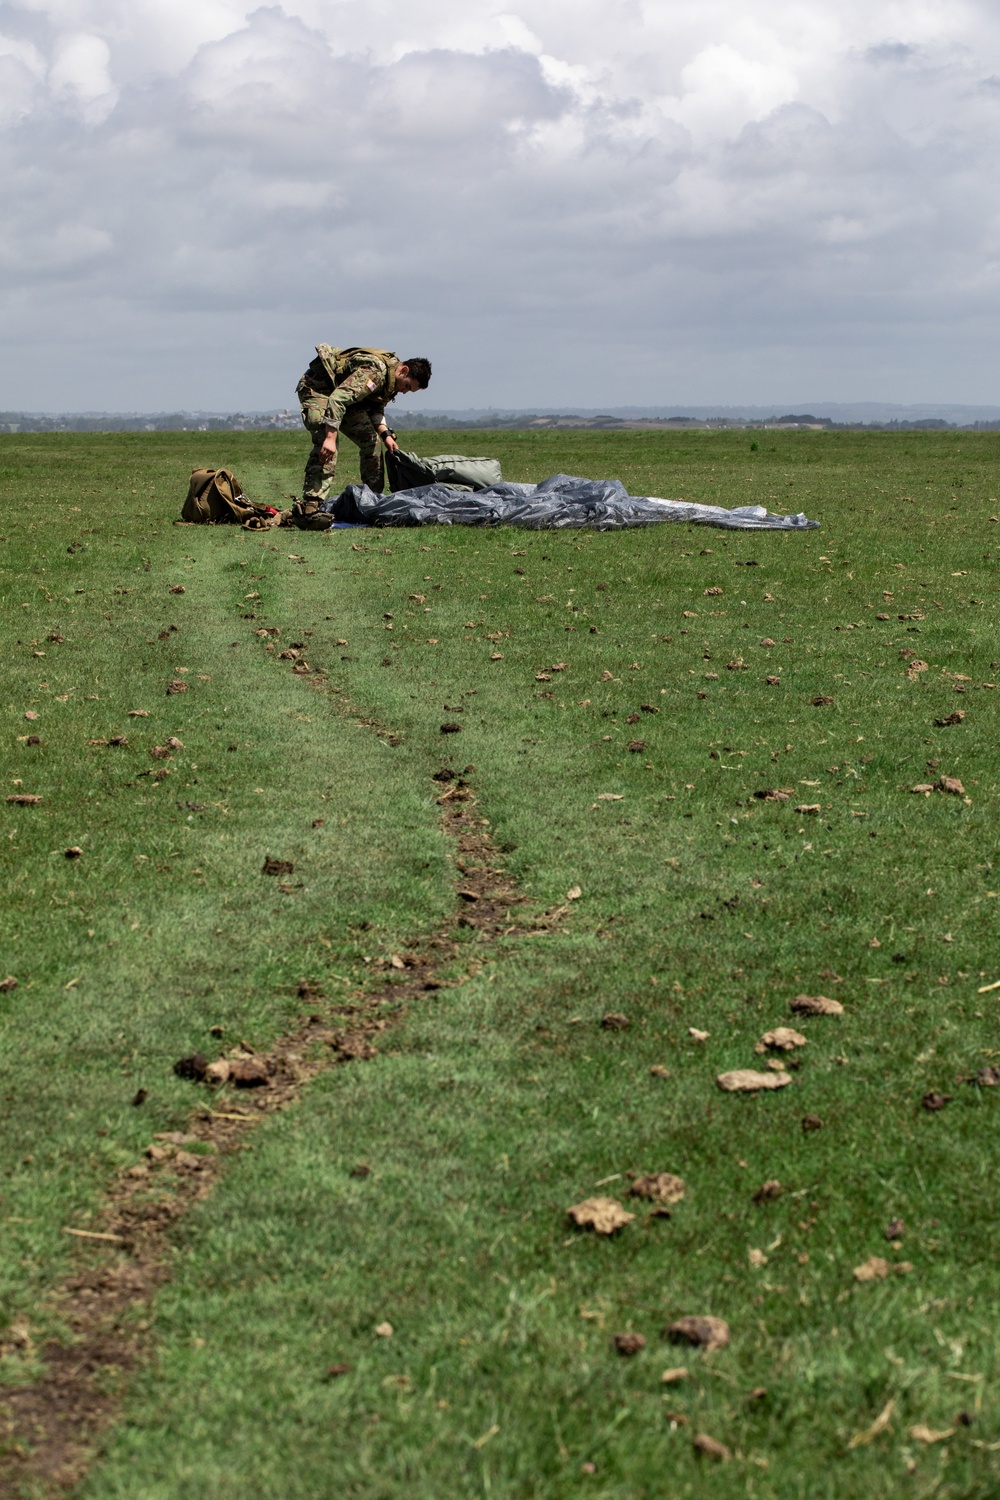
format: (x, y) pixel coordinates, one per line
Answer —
(391, 444)
(329, 448)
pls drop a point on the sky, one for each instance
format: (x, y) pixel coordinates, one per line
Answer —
(591, 202)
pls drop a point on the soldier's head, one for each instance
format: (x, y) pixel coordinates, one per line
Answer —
(413, 375)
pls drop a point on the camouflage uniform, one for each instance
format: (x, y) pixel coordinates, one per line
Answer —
(354, 403)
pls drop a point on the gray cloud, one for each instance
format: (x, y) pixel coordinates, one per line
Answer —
(701, 202)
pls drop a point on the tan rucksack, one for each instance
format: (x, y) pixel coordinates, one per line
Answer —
(215, 497)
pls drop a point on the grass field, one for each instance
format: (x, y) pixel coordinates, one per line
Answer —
(501, 1101)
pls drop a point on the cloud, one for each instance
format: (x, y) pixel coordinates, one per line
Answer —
(619, 202)
(80, 68)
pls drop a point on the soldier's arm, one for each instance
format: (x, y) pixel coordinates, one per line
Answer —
(385, 432)
(360, 385)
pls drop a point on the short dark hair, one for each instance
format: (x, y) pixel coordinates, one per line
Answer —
(420, 369)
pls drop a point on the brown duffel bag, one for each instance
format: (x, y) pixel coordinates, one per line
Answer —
(215, 497)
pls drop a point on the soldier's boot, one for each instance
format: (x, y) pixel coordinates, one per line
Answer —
(307, 516)
(317, 483)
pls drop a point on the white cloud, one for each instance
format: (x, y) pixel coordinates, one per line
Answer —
(80, 72)
(613, 202)
(723, 90)
(80, 66)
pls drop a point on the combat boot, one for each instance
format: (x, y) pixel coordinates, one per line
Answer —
(307, 516)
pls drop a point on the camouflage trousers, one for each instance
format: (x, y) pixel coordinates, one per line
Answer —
(319, 476)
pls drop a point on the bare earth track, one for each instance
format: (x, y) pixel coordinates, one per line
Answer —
(50, 1431)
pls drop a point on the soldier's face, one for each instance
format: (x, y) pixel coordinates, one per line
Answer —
(405, 382)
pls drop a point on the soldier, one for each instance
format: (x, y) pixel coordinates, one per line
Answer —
(346, 390)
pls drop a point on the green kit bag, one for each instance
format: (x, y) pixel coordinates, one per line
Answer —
(407, 471)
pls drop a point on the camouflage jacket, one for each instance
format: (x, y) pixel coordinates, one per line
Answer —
(364, 380)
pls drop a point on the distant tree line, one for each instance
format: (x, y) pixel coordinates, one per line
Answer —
(284, 421)
(19, 421)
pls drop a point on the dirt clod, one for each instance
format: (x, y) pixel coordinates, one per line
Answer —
(73, 852)
(177, 685)
(602, 1215)
(934, 1101)
(748, 1081)
(193, 1067)
(987, 1078)
(249, 1073)
(658, 1187)
(781, 1039)
(815, 1005)
(894, 1229)
(875, 1268)
(704, 1332)
(628, 1344)
(822, 701)
(353, 1047)
(710, 1448)
(614, 1020)
(277, 866)
(334, 1372)
(950, 719)
(24, 799)
(451, 728)
(951, 784)
(8, 984)
(768, 1191)
(811, 1122)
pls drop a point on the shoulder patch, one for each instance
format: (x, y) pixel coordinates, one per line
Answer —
(370, 384)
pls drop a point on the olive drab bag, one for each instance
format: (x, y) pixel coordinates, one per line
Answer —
(215, 497)
(407, 471)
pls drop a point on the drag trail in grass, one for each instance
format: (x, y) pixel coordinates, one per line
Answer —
(734, 843)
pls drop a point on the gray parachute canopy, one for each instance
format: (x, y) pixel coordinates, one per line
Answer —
(560, 502)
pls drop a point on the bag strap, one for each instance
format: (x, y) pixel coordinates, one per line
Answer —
(329, 355)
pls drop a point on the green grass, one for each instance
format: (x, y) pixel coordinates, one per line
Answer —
(501, 1102)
